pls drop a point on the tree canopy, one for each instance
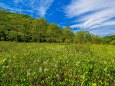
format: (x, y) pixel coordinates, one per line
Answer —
(23, 28)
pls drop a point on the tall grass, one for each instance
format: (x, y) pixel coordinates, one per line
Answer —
(34, 64)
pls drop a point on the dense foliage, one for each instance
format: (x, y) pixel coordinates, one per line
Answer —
(23, 28)
(109, 40)
(34, 64)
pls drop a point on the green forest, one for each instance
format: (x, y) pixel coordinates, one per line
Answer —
(23, 28)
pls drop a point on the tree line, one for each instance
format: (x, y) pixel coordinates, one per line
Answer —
(23, 28)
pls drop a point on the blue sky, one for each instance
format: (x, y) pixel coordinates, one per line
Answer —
(96, 16)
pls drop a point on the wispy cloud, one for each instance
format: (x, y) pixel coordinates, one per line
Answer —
(12, 9)
(104, 31)
(36, 7)
(92, 13)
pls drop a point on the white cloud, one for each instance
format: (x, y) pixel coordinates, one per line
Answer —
(92, 13)
(37, 7)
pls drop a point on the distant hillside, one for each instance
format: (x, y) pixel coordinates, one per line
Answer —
(109, 39)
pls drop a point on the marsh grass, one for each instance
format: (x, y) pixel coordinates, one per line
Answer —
(35, 64)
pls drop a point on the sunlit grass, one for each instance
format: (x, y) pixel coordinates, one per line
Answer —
(46, 64)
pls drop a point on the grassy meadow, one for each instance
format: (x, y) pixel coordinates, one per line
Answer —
(43, 64)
